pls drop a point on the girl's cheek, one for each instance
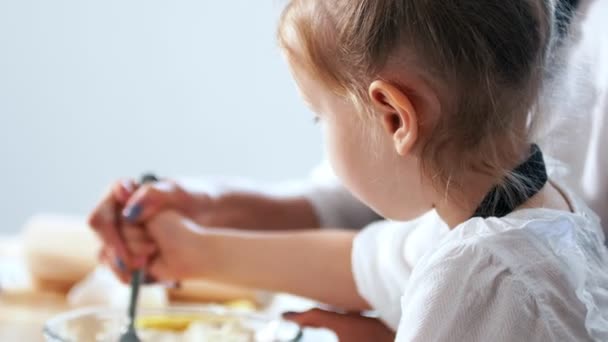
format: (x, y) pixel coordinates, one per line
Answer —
(330, 148)
(339, 155)
(325, 137)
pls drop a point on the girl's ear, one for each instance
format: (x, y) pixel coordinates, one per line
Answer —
(398, 116)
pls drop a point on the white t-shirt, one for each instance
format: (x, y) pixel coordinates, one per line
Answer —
(534, 275)
(384, 255)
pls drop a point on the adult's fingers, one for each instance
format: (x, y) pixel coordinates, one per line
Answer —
(111, 259)
(105, 218)
(348, 327)
(314, 318)
(149, 199)
(105, 212)
(123, 190)
(120, 269)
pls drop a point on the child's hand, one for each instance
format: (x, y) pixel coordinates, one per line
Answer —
(348, 327)
(170, 247)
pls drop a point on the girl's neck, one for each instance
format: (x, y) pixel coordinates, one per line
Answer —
(454, 212)
(455, 209)
(474, 186)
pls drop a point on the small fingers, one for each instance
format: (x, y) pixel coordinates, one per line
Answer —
(116, 265)
(139, 245)
(159, 271)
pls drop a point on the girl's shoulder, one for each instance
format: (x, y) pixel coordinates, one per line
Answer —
(537, 259)
(529, 243)
(541, 230)
(522, 281)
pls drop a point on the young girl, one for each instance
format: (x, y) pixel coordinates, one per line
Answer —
(424, 105)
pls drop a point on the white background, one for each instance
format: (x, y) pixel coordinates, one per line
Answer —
(94, 90)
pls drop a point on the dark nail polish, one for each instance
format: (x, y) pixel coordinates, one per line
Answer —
(121, 265)
(289, 313)
(132, 213)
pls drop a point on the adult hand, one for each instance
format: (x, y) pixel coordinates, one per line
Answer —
(349, 327)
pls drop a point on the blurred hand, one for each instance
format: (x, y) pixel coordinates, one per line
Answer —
(126, 206)
(105, 218)
(348, 327)
(171, 247)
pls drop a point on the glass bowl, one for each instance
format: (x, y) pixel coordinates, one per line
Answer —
(107, 325)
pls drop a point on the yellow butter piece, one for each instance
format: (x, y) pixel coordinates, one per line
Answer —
(179, 323)
(241, 304)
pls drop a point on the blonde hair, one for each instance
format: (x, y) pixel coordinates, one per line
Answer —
(487, 57)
